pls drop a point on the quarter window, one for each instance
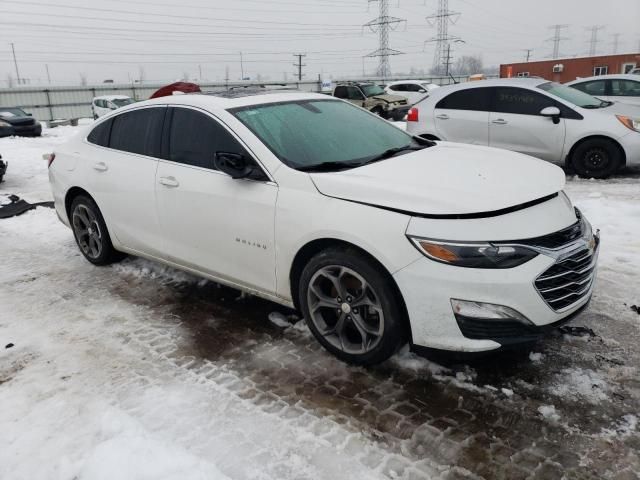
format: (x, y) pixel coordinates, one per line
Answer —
(341, 92)
(477, 99)
(520, 101)
(195, 138)
(138, 131)
(100, 134)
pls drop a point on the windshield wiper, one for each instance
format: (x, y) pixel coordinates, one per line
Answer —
(327, 166)
(394, 151)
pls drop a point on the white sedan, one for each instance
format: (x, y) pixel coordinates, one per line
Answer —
(616, 88)
(412, 90)
(377, 237)
(536, 117)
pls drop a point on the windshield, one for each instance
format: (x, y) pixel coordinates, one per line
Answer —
(371, 90)
(121, 102)
(573, 96)
(12, 112)
(308, 133)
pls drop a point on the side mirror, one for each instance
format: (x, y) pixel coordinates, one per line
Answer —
(29, 114)
(422, 90)
(233, 164)
(552, 112)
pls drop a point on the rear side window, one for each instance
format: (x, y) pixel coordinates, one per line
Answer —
(477, 99)
(625, 88)
(520, 101)
(195, 138)
(138, 131)
(100, 134)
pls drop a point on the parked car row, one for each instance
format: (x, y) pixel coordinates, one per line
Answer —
(534, 116)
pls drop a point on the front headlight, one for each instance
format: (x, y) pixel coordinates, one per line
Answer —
(474, 255)
(630, 123)
(4, 124)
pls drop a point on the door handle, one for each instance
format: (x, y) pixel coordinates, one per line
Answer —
(100, 166)
(500, 121)
(443, 116)
(169, 181)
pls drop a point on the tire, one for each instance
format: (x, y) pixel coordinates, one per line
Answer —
(90, 232)
(342, 325)
(378, 111)
(596, 158)
(95, 117)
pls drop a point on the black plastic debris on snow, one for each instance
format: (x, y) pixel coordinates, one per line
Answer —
(8, 345)
(636, 309)
(577, 331)
(17, 206)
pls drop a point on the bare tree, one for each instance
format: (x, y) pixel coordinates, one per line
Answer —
(141, 74)
(468, 65)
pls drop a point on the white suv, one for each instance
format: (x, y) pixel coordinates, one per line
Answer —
(102, 105)
(378, 237)
(533, 116)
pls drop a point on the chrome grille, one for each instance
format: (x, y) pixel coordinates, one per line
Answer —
(569, 279)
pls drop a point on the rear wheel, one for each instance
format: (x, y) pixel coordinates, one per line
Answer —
(350, 307)
(90, 232)
(596, 158)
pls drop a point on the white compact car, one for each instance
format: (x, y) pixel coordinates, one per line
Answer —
(536, 117)
(102, 105)
(412, 90)
(377, 237)
(618, 88)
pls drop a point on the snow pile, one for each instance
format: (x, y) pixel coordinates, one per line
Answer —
(580, 384)
(549, 412)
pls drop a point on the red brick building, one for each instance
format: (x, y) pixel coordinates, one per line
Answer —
(567, 69)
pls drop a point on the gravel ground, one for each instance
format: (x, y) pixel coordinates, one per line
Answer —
(140, 371)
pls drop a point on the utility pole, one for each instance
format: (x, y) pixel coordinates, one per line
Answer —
(15, 62)
(299, 65)
(382, 25)
(557, 37)
(241, 68)
(200, 71)
(46, 66)
(615, 42)
(441, 19)
(528, 50)
(593, 40)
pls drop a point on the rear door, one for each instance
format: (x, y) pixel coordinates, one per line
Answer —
(516, 123)
(625, 91)
(122, 176)
(210, 221)
(463, 116)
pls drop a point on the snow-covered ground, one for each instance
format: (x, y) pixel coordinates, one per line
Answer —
(137, 371)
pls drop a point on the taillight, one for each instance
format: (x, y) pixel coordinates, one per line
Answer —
(49, 157)
(412, 115)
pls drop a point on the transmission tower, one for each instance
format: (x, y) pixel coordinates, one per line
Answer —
(593, 40)
(441, 19)
(382, 25)
(615, 42)
(557, 38)
(299, 65)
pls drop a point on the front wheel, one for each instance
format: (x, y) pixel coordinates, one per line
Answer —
(90, 232)
(350, 307)
(596, 158)
(378, 111)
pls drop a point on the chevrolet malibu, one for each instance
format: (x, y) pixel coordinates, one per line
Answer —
(377, 237)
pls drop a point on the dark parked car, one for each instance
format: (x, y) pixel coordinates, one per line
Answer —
(15, 121)
(3, 168)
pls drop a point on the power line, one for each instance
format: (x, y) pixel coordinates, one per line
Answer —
(442, 18)
(557, 38)
(593, 39)
(382, 24)
(299, 65)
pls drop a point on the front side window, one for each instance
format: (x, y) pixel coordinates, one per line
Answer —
(307, 133)
(571, 95)
(354, 93)
(476, 99)
(625, 88)
(195, 138)
(594, 87)
(138, 131)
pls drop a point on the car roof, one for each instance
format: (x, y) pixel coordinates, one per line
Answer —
(420, 82)
(110, 97)
(613, 76)
(232, 99)
(525, 82)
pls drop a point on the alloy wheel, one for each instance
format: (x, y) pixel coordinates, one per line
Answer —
(345, 309)
(87, 230)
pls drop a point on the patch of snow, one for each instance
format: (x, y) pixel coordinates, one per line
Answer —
(279, 320)
(535, 356)
(627, 426)
(5, 199)
(507, 391)
(580, 384)
(549, 412)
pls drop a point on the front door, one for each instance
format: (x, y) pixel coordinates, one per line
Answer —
(515, 124)
(211, 222)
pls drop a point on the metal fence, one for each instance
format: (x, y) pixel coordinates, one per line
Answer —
(52, 103)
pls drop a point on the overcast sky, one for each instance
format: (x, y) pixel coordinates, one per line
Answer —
(163, 39)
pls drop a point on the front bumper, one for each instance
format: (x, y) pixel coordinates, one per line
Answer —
(28, 130)
(428, 287)
(631, 145)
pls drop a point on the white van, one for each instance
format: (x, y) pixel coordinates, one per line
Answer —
(102, 105)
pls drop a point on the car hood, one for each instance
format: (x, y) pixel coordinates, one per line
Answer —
(620, 108)
(389, 98)
(448, 179)
(15, 120)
